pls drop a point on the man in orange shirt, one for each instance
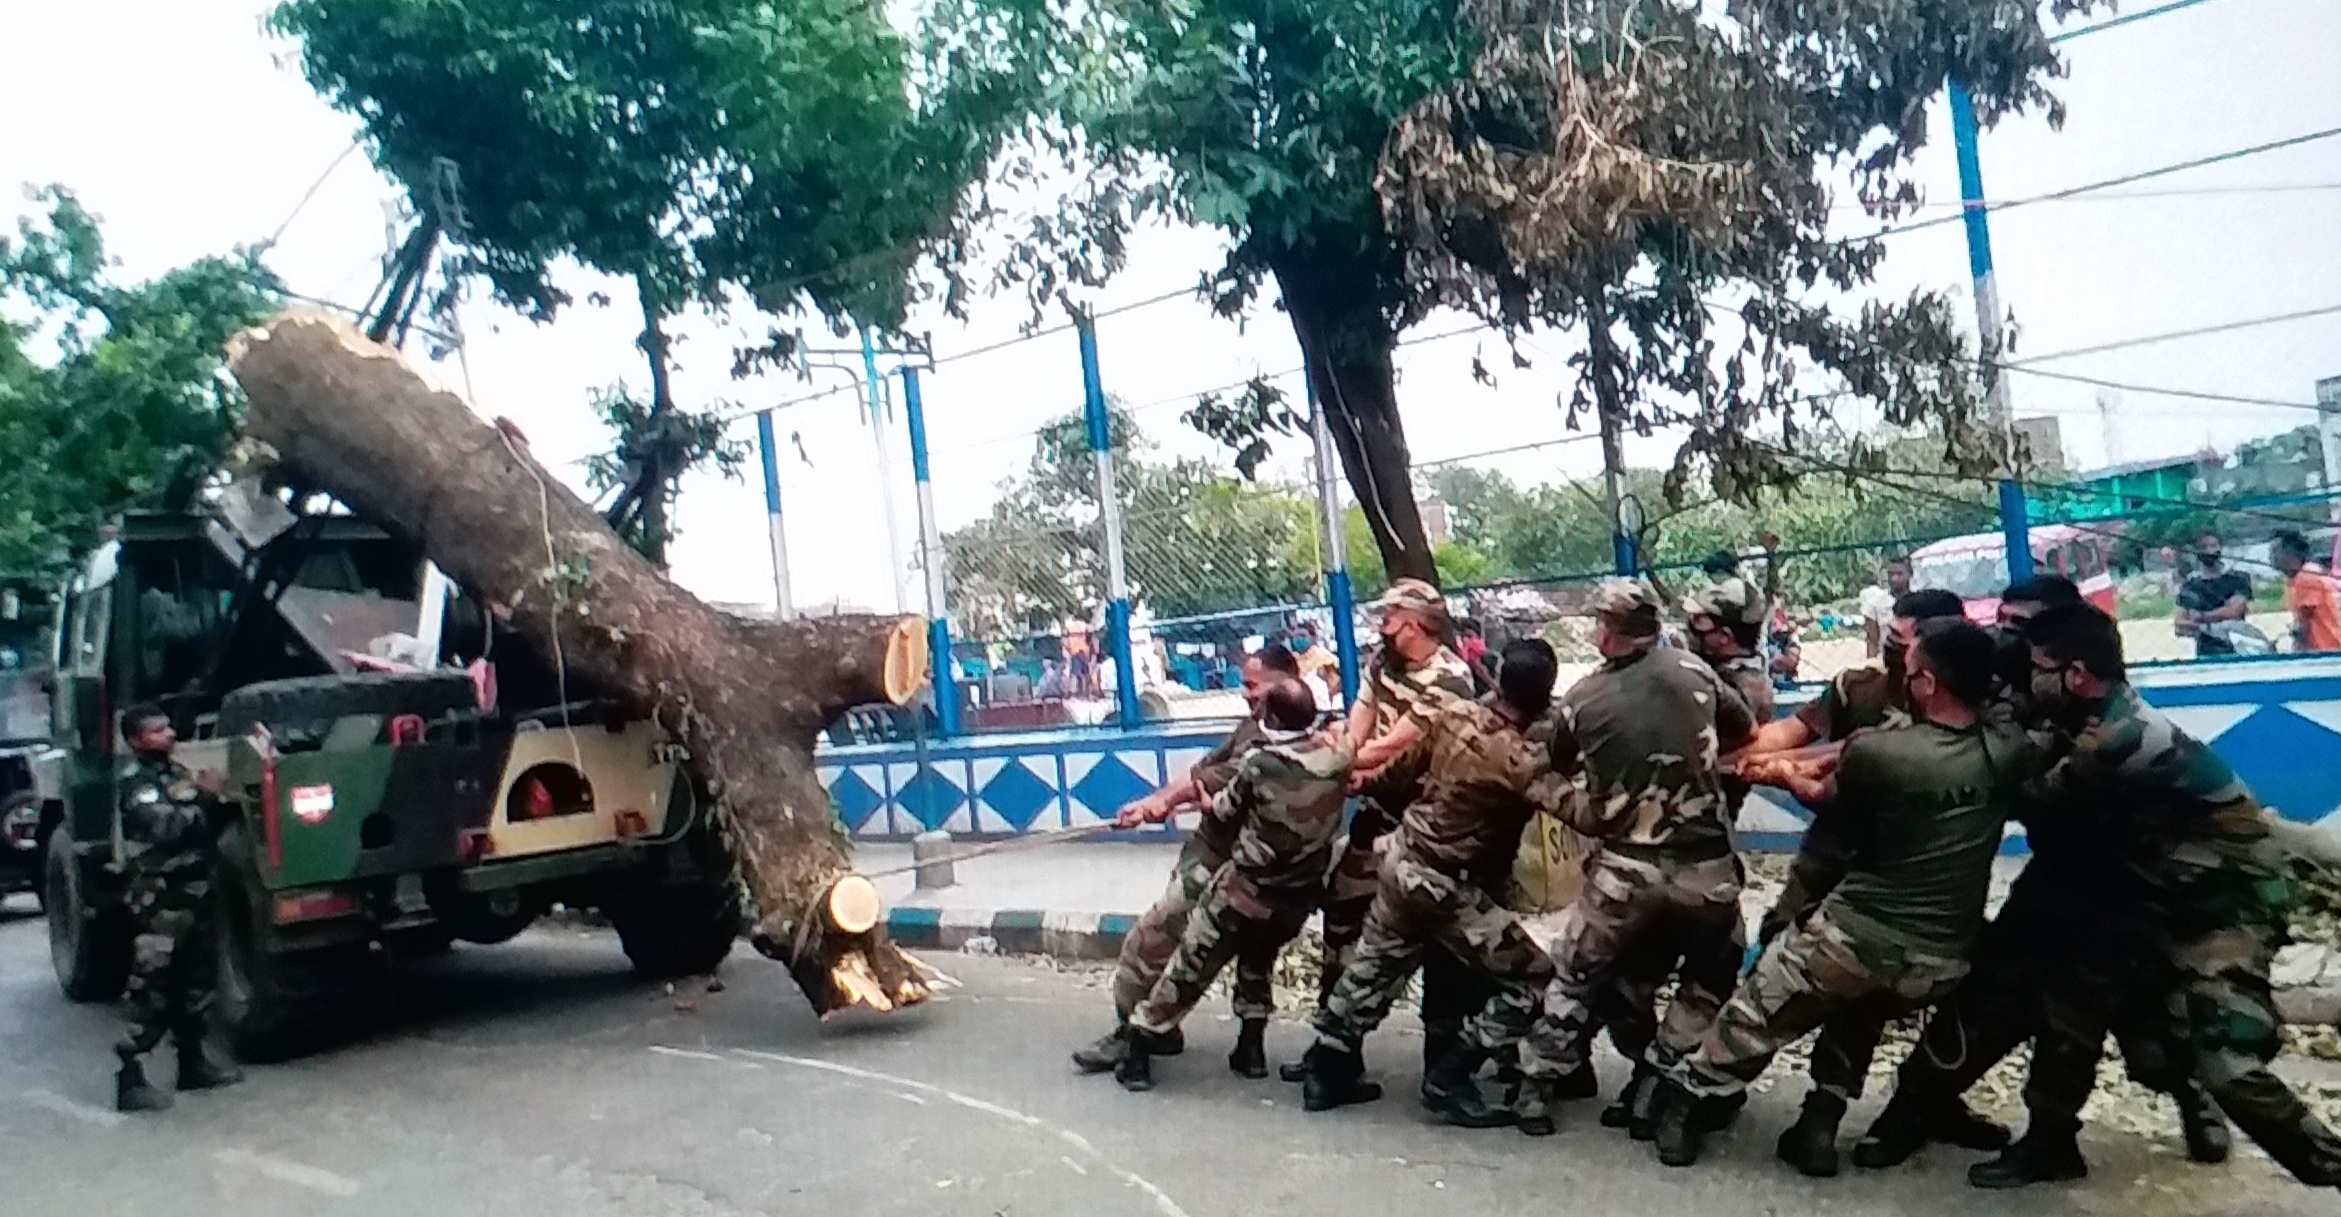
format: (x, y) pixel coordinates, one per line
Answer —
(2308, 595)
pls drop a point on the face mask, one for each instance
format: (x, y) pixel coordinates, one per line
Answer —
(1297, 644)
(2048, 691)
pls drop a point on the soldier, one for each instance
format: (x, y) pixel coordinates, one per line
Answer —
(170, 841)
(1148, 947)
(1726, 623)
(1413, 669)
(2194, 899)
(1284, 809)
(1646, 729)
(1922, 806)
(1482, 782)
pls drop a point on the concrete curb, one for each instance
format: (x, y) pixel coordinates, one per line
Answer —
(1072, 936)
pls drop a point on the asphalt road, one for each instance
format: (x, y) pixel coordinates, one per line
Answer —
(540, 1077)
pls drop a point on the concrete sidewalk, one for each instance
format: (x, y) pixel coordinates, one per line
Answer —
(1076, 899)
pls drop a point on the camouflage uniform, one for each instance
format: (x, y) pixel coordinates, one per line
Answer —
(1484, 781)
(1924, 807)
(1151, 942)
(1647, 729)
(1284, 806)
(1857, 699)
(1451, 990)
(2198, 900)
(170, 843)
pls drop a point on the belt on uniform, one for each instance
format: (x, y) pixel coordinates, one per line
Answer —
(1706, 849)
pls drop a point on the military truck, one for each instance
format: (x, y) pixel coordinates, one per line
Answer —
(401, 772)
(25, 678)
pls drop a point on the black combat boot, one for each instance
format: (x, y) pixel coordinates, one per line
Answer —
(1634, 1098)
(1810, 1144)
(1578, 1084)
(1136, 1070)
(1898, 1132)
(1534, 1101)
(1293, 1071)
(1438, 1043)
(1680, 1127)
(1955, 1123)
(198, 1070)
(2199, 1119)
(2042, 1155)
(133, 1093)
(1333, 1078)
(1104, 1054)
(1451, 1088)
(1249, 1058)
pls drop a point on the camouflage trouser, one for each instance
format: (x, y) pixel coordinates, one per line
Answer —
(1452, 991)
(2062, 967)
(1813, 974)
(1217, 933)
(2225, 998)
(1148, 947)
(1633, 907)
(1416, 910)
(172, 962)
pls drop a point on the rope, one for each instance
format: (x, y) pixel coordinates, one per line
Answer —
(1026, 841)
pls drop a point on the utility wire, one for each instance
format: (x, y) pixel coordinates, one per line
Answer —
(310, 193)
(2233, 398)
(1058, 328)
(2091, 187)
(2174, 335)
(2112, 22)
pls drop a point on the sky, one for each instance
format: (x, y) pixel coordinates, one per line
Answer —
(187, 129)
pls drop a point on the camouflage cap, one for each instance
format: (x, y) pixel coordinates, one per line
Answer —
(1729, 601)
(1416, 595)
(1630, 599)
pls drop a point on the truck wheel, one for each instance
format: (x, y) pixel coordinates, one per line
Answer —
(273, 1006)
(673, 930)
(89, 944)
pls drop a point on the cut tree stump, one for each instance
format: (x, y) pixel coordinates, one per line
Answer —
(341, 414)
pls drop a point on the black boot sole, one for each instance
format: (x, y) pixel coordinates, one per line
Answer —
(1982, 1176)
(1362, 1092)
(1292, 1071)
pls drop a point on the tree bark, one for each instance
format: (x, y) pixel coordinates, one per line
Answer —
(347, 416)
(1347, 349)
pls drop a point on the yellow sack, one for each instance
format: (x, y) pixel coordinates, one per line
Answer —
(1549, 868)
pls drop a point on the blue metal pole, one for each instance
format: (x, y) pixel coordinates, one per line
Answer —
(931, 561)
(1338, 597)
(870, 383)
(1109, 511)
(1976, 214)
(783, 608)
(2016, 529)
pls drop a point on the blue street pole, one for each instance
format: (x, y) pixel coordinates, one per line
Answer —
(1977, 215)
(1338, 597)
(931, 561)
(1109, 511)
(782, 607)
(2016, 529)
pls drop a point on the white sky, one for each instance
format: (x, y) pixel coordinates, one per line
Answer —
(180, 124)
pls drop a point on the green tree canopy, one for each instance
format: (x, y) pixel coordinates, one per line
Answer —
(111, 394)
(1617, 166)
(706, 150)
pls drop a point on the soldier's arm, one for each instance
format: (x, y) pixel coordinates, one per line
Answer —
(151, 817)
(1735, 721)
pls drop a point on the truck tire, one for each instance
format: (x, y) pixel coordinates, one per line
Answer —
(89, 945)
(274, 1006)
(676, 930)
(311, 704)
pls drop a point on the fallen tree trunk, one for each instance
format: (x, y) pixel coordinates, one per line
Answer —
(347, 416)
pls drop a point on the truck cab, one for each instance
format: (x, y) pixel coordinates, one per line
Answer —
(401, 773)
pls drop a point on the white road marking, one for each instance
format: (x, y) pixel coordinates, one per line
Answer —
(908, 1097)
(1162, 1201)
(316, 1179)
(49, 1100)
(663, 1050)
(1078, 1169)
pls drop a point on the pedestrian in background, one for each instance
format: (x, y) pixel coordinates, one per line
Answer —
(2212, 600)
(1877, 604)
(2308, 595)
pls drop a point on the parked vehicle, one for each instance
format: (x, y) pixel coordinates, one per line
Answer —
(402, 773)
(1976, 566)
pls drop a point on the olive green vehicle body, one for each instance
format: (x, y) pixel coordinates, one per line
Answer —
(366, 813)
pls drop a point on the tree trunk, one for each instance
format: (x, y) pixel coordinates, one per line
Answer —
(1610, 411)
(652, 443)
(1346, 344)
(349, 417)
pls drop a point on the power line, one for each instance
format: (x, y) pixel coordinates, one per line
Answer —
(311, 193)
(2174, 335)
(2198, 395)
(1058, 328)
(1473, 456)
(2124, 180)
(2112, 22)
